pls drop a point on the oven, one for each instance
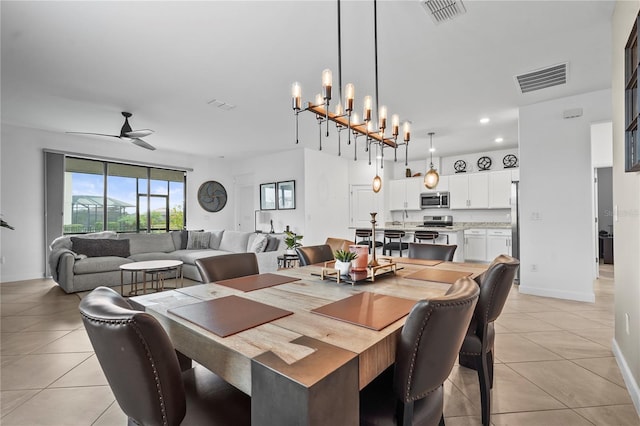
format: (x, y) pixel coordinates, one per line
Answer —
(434, 200)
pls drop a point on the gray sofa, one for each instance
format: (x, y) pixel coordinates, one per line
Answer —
(84, 262)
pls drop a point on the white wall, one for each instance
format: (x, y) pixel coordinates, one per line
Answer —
(22, 190)
(277, 167)
(626, 201)
(556, 196)
(327, 200)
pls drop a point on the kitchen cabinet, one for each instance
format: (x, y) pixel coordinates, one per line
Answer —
(500, 189)
(498, 242)
(443, 185)
(469, 191)
(475, 245)
(404, 194)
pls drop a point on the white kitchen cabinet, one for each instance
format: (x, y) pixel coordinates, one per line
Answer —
(442, 186)
(475, 245)
(500, 189)
(404, 194)
(498, 242)
(469, 191)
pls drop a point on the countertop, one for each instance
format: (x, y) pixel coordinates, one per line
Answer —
(461, 226)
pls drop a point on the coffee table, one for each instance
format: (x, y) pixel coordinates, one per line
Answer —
(156, 269)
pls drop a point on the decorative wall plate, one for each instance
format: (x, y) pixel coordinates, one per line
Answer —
(212, 196)
(484, 163)
(509, 161)
(460, 166)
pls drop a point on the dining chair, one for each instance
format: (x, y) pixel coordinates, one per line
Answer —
(338, 244)
(411, 391)
(308, 255)
(365, 235)
(389, 244)
(227, 266)
(477, 348)
(432, 251)
(143, 371)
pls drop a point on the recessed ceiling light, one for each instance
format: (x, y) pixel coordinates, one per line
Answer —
(484, 120)
(432, 150)
(498, 140)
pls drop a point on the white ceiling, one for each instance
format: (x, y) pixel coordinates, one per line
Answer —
(73, 66)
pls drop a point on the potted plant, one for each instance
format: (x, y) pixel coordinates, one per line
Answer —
(292, 241)
(343, 260)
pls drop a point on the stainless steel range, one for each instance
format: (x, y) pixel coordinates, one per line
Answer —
(436, 221)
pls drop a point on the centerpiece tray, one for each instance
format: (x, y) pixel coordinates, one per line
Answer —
(368, 275)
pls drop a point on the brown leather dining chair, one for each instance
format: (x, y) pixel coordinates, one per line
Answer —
(411, 391)
(432, 251)
(338, 243)
(227, 266)
(308, 255)
(477, 348)
(143, 370)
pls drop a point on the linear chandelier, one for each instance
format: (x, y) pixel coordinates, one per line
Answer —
(346, 119)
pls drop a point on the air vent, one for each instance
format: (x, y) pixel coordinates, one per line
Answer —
(443, 10)
(222, 105)
(543, 78)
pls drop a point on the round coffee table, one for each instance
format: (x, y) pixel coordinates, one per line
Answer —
(155, 268)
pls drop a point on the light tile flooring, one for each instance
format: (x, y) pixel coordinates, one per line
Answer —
(554, 365)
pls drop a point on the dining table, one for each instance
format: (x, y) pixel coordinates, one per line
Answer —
(299, 342)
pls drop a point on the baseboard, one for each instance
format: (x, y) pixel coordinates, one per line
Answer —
(629, 380)
(558, 294)
(20, 277)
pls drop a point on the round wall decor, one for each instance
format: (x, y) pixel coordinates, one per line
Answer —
(484, 163)
(460, 166)
(212, 196)
(509, 161)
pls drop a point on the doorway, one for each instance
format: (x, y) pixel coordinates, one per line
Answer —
(603, 190)
(363, 202)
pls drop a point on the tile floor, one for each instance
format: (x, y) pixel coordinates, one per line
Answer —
(554, 365)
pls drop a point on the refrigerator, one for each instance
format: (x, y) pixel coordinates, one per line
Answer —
(515, 225)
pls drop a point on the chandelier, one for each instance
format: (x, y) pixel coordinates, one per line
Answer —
(375, 132)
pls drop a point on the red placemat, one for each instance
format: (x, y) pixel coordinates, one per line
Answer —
(229, 315)
(438, 275)
(370, 310)
(256, 282)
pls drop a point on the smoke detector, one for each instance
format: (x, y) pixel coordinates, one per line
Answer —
(541, 79)
(443, 10)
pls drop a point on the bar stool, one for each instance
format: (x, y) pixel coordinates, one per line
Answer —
(432, 236)
(366, 240)
(390, 245)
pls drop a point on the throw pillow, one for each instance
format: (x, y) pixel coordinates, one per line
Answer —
(272, 244)
(259, 243)
(184, 237)
(100, 247)
(198, 240)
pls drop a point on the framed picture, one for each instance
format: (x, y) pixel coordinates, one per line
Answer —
(287, 195)
(268, 196)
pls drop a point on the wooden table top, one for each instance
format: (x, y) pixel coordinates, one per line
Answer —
(230, 357)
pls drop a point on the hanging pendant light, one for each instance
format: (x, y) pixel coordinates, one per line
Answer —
(377, 181)
(431, 178)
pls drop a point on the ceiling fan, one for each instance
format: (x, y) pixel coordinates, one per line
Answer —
(126, 133)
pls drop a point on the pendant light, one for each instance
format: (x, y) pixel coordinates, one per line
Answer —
(431, 178)
(377, 181)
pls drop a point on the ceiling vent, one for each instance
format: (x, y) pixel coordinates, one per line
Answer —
(542, 78)
(443, 10)
(222, 105)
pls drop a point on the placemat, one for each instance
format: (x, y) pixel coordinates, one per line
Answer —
(229, 315)
(411, 261)
(256, 282)
(438, 275)
(374, 311)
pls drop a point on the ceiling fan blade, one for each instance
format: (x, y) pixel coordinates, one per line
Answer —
(139, 133)
(142, 144)
(95, 134)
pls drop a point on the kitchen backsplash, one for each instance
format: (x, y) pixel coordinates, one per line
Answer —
(494, 215)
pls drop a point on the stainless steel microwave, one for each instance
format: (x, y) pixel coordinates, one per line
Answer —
(434, 200)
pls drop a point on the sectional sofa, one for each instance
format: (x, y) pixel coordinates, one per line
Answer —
(84, 262)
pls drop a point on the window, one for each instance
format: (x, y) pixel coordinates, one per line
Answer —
(102, 195)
